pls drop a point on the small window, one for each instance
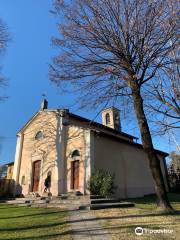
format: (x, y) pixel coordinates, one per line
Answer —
(75, 154)
(39, 135)
(23, 180)
(107, 119)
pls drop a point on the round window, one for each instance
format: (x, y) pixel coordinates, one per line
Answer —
(39, 135)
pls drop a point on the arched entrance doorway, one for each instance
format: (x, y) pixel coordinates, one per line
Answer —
(75, 174)
(36, 175)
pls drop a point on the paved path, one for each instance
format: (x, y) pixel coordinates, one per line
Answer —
(84, 226)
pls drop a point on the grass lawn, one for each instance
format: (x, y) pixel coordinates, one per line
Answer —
(19, 223)
(122, 222)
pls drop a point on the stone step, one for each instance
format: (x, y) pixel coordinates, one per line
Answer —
(71, 202)
(66, 198)
(104, 200)
(55, 201)
(32, 195)
(84, 207)
(20, 199)
(64, 201)
(95, 196)
(75, 193)
(77, 199)
(36, 201)
(111, 205)
(15, 201)
(62, 205)
(49, 205)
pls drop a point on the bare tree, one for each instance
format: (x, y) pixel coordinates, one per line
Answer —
(4, 38)
(164, 100)
(112, 49)
(165, 89)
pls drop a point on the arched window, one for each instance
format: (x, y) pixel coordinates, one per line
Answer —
(107, 119)
(75, 153)
(39, 135)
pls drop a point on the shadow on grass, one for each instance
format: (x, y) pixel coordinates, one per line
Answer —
(33, 227)
(176, 213)
(47, 236)
(97, 231)
(32, 215)
(152, 199)
(84, 220)
(37, 214)
(79, 232)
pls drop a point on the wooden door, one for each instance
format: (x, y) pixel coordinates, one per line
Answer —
(36, 175)
(75, 174)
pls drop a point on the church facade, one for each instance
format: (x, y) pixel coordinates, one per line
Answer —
(68, 148)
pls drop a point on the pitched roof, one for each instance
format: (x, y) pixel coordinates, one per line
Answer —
(104, 130)
(112, 133)
(91, 123)
(10, 163)
(102, 127)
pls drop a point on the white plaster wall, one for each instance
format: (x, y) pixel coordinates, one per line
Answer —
(129, 164)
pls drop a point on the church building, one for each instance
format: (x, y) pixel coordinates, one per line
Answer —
(67, 149)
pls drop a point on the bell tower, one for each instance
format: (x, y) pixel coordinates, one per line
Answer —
(111, 118)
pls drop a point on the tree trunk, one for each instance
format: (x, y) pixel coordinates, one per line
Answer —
(154, 162)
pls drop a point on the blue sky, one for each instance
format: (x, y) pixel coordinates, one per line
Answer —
(26, 66)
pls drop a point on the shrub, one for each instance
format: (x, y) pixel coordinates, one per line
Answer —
(101, 183)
